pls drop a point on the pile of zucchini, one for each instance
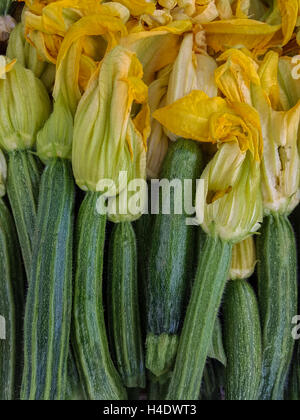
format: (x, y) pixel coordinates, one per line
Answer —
(200, 304)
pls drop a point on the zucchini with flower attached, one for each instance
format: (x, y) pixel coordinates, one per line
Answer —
(270, 88)
(242, 328)
(276, 245)
(25, 106)
(111, 144)
(12, 288)
(229, 208)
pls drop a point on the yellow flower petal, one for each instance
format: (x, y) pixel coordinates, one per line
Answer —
(268, 74)
(234, 78)
(251, 34)
(138, 7)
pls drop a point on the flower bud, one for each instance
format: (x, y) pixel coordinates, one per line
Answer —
(25, 106)
(104, 133)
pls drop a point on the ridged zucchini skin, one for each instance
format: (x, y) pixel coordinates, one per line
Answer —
(243, 342)
(49, 301)
(98, 374)
(123, 306)
(197, 332)
(74, 390)
(277, 283)
(170, 262)
(23, 184)
(11, 307)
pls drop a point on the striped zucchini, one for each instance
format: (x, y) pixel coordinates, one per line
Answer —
(170, 262)
(74, 390)
(98, 374)
(243, 342)
(11, 307)
(23, 183)
(197, 332)
(49, 301)
(125, 324)
(277, 281)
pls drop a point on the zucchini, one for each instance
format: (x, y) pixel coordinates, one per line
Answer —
(197, 332)
(98, 374)
(125, 324)
(243, 342)
(170, 262)
(11, 307)
(74, 389)
(23, 183)
(277, 282)
(49, 301)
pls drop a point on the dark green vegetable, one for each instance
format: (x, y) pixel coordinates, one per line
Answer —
(23, 183)
(11, 307)
(170, 262)
(243, 342)
(98, 374)
(74, 389)
(197, 332)
(277, 280)
(49, 301)
(123, 306)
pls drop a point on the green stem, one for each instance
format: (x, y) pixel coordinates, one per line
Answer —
(197, 333)
(99, 376)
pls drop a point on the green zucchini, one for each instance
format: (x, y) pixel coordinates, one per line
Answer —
(11, 307)
(125, 324)
(23, 183)
(243, 342)
(277, 281)
(74, 389)
(170, 262)
(198, 327)
(98, 374)
(49, 301)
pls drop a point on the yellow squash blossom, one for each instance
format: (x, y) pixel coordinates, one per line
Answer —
(139, 7)
(74, 71)
(281, 162)
(158, 141)
(289, 81)
(25, 106)
(233, 207)
(105, 133)
(157, 48)
(235, 76)
(285, 13)
(191, 71)
(18, 48)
